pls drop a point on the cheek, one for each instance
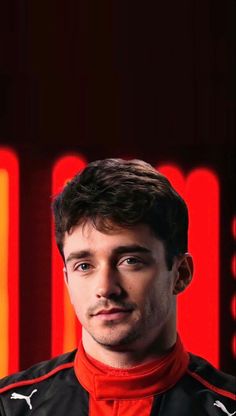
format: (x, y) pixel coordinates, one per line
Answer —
(78, 296)
(143, 292)
(157, 296)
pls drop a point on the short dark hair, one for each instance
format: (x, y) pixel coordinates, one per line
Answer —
(126, 193)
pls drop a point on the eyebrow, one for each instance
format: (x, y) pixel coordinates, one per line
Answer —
(76, 255)
(135, 248)
(131, 249)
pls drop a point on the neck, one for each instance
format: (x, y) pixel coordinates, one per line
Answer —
(132, 355)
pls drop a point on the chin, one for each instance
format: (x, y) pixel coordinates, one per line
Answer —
(118, 342)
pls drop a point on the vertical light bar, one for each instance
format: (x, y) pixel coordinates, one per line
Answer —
(65, 326)
(9, 262)
(233, 301)
(198, 314)
(4, 299)
(202, 194)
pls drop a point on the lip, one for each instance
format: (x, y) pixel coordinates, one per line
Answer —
(112, 314)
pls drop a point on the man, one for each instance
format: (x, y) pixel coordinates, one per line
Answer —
(121, 229)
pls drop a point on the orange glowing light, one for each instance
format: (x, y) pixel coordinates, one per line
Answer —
(66, 329)
(9, 262)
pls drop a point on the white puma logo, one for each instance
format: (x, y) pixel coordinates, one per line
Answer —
(27, 398)
(223, 408)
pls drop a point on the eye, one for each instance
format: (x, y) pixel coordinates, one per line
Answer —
(132, 262)
(82, 267)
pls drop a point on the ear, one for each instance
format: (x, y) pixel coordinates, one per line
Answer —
(184, 273)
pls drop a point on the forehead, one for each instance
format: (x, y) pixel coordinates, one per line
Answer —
(86, 237)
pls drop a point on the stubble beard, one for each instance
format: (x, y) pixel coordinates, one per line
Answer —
(117, 334)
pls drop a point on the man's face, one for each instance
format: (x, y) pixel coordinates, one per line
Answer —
(119, 284)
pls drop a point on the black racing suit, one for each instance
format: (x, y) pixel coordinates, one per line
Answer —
(52, 388)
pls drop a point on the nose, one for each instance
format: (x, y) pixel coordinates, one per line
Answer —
(108, 284)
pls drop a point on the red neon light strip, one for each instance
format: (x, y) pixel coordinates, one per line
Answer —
(199, 306)
(234, 227)
(9, 165)
(65, 327)
(202, 193)
(233, 302)
(4, 303)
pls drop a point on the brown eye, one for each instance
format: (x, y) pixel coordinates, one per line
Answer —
(132, 260)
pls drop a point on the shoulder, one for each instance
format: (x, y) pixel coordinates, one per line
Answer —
(207, 376)
(200, 391)
(49, 388)
(38, 372)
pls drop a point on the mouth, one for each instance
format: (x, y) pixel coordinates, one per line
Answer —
(112, 314)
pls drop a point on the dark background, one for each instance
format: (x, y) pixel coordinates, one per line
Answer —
(154, 80)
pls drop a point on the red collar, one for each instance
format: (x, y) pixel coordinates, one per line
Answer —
(107, 383)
